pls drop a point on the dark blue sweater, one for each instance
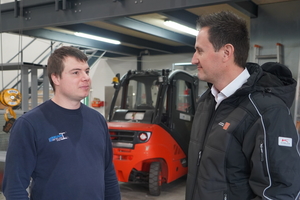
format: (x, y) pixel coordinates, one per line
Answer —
(67, 153)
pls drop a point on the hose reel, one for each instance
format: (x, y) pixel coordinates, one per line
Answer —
(10, 98)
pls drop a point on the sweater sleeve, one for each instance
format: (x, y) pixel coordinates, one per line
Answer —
(20, 161)
(112, 189)
(276, 162)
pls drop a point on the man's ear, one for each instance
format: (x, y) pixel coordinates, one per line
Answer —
(228, 51)
(55, 78)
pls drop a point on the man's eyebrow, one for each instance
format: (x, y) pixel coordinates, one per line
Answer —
(198, 48)
(75, 69)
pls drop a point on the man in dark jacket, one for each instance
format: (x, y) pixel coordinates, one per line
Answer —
(244, 142)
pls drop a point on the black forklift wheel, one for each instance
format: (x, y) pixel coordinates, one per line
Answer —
(155, 179)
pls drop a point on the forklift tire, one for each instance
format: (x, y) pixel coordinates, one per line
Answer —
(155, 179)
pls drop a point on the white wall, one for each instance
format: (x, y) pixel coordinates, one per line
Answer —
(102, 73)
(6, 1)
(104, 70)
(278, 23)
(164, 62)
(10, 47)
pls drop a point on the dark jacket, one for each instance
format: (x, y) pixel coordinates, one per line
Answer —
(247, 147)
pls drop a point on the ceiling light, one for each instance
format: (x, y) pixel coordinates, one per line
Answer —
(180, 64)
(181, 27)
(93, 37)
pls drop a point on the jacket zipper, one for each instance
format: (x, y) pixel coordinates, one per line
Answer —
(225, 196)
(199, 158)
(262, 158)
(198, 163)
(200, 152)
(261, 146)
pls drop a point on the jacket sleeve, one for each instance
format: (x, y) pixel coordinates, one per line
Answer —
(275, 172)
(112, 189)
(20, 161)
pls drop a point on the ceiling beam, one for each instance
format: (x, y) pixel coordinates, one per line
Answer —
(31, 14)
(110, 49)
(72, 39)
(145, 44)
(182, 16)
(247, 7)
(152, 30)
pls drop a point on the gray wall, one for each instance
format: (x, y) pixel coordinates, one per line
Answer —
(279, 23)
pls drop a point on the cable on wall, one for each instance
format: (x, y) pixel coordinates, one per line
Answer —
(20, 57)
(1, 56)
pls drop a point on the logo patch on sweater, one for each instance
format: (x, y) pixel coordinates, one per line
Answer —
(225, 125)
(284, 141)
(58, 137)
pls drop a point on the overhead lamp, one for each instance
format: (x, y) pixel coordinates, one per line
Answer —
(93, 37)
(185, 63)
(181, 27)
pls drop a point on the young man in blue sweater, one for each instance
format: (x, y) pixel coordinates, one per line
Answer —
(62, 145)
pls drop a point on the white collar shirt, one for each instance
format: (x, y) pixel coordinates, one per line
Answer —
(230, 88)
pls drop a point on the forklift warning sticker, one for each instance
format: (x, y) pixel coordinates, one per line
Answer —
(184, 117)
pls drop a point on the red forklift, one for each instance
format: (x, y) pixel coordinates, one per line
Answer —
(150, 121)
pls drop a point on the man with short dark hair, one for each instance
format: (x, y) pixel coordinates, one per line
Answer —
(63, 145)
(243, 143)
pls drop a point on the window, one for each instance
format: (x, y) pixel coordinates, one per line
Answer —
(183, 97)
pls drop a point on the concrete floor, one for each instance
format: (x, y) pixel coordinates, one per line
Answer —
(171, 191)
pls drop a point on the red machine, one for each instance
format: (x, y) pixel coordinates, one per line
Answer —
(150, 121)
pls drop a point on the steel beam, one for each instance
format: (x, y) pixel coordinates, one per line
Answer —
(182, 16)
(45, 85)
(37, 13)
(24, 86)
(247, 7)
(146, 44)
(152, 30)
(34, 88)
(72, 39)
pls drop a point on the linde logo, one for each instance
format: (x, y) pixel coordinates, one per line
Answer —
(225, 125)
(284, 141)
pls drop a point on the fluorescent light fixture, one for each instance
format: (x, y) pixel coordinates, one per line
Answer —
(181, 27)
(180, 64)
(93, 37)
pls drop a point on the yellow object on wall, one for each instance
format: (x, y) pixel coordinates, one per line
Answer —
(10, 98)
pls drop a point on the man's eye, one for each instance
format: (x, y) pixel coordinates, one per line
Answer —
(87, 72)
(199, 52)
(75, 72)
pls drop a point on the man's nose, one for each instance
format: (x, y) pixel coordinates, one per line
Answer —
(85, 76)
(194, 60)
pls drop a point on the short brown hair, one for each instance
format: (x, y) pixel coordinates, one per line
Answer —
(56, 60)
(227, 28)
